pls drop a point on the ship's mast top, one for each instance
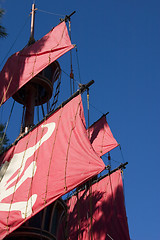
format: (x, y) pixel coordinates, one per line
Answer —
(32, 40)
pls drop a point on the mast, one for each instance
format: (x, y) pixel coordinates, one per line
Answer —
(39, 89)
(30, 91)
(32, 40)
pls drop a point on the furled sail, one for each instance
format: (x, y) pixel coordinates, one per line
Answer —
(101, 137)
(27, 63)
(99, 211)
(54, 158)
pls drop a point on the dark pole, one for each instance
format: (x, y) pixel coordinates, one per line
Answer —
(30, 89)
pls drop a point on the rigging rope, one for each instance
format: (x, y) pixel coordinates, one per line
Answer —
(34, 166)
(56, 14)
(69, 77)
(97, 109)
(15, 40)
(56, 95)
(17, 179)
(122, 174)
(48, 106)
(38, 113)
(121, 152)
(42, 108)
(22, 122)
(78, 64)
(112, 159)
(1, 116)
(71, 73)
(109, 161)
(69, 141)
(88, 106)
(7, 123)
(50, 160)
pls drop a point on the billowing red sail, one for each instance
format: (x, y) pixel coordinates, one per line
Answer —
(51, 160)
(24, 65)
(101, 137)
(99, 212)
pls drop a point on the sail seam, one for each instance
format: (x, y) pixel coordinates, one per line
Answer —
(60, 38)
(73, 126)
(102, 142)
(18, 175)
(34, 167)
(52, 155)
(34, 65)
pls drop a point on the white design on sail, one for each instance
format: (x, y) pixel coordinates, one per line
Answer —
(25, 207)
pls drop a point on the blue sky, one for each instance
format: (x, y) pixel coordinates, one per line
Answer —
(118, 45)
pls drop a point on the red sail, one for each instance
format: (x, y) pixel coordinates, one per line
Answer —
(24, 65)
(50, 161)
(99, 212)
(101, 137)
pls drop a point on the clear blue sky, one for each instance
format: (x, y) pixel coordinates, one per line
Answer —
(119, 47)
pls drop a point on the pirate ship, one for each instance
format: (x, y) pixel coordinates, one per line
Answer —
(57, 155)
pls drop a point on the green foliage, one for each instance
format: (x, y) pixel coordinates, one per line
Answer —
(2, 29)
(3, 138)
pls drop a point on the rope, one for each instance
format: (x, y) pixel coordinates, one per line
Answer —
(56, 14)
(33, 170)
(112, 159)
(42, 108)
(121, 152)
(88, 105)
(34, 65)
(73, 126)
(15, 40)
(52, 155)
(1, 116)
(56, 95)
(71, 74)
(69, 77)
(22, 122)
(78, 64)
(7, 123)
(4, 94)
(110, 236)
(38, 113)
(18, 175)
(102, 142)
(96, 109)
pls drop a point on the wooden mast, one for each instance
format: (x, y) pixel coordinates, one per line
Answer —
(30, 91)
(32, 40)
